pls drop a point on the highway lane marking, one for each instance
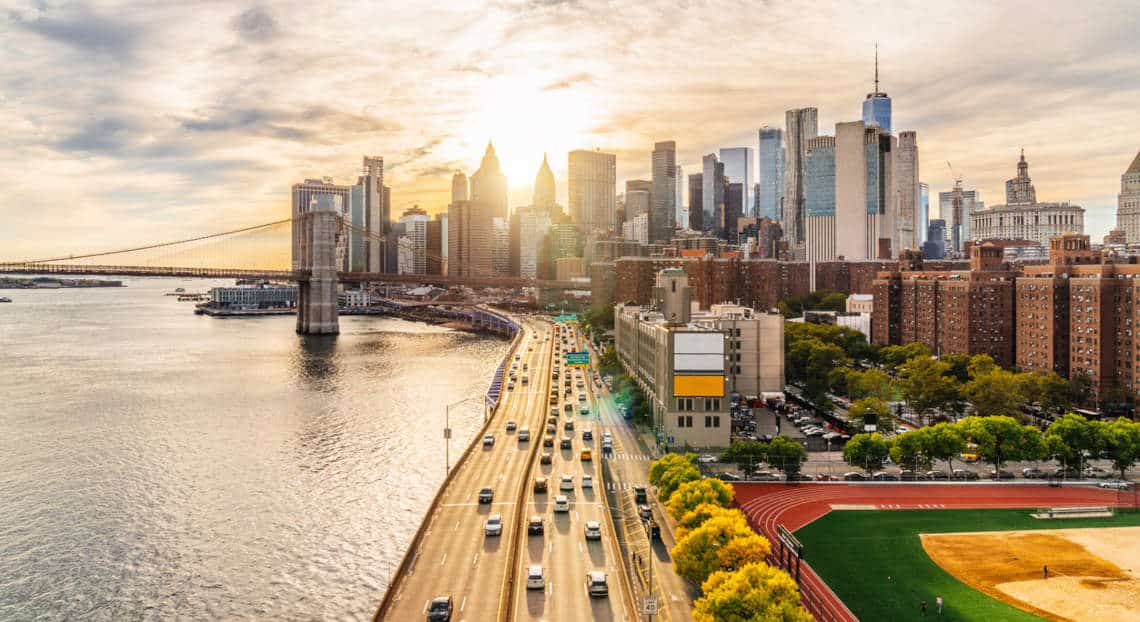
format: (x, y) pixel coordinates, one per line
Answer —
(475, 560)
(456, 526)
(458, 505)
(443, 559)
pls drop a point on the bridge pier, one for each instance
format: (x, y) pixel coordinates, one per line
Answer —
(314, 254)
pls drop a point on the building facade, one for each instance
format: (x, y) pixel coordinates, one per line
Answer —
(592, 184)
(470, 237)
(802, 124)
(712, 192)
(1128, 203)
(312, 191)
(955, 207)
(1022, 217)
(415, 223)
(771, 155)
(907, 199)
(696, 202)
(738, 169)
(663, 200)
(489, 184)
(819, 207)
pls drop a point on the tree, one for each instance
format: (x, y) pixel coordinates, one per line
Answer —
(746, 455)
(706, 549)
(870, 411)
(822, 358)
(697, 516)
(894, 356)
(1121, 440)
(1051, 391)
(866, 451)
(786, 455)
(833, 301)
(874, 383)
(944, 442)
(980, 364)
(1001, 439)
(959, 366)
(753, 592)
(658, 467)
(698, 492)
(912, 450)
(674, 478)
(1080, 387)
(1071, 438)
(926, 385)
(996, 393)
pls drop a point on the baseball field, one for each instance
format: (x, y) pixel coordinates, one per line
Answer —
(985, 564)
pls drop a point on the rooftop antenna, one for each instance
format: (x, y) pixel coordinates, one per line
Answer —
(876, 66)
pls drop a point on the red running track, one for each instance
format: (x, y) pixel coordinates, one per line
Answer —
(793, 506)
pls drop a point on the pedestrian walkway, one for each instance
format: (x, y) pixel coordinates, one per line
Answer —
(615, 486)
(628, 456)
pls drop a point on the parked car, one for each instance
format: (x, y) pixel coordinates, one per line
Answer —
(1032, 473)
(494, 525)
(765, 476)
(534, 526)
(707, 458)
(486, 494)
(1000, 474)
(824, 477)
(1066, 473)
(854, 476)
(593, 530)
(1095, 472)
(1115, 484)
(729, 476)
(964, 474)
(937, 475)
(884, 476)
(440, 609)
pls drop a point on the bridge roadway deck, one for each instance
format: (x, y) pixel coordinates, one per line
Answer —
(454, 557)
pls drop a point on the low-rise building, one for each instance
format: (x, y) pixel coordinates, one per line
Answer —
(260, 297)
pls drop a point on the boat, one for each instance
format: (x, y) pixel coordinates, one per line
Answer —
(179, 290)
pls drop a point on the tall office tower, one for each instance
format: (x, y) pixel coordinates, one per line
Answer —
(500, 247)
(316, 189)
(377, 214)
(489, 184)
(415, 221)
(1128, 202)
(680, 212)
(771, 172)
(696, 202)
(634, 185)
(924, 211)
(712, 192)
(459, 190)
(935, 245)
(819, 208)
(543, 196)
(733, 210)
(663, 200)
(528, 229)
(906, 199)
(755, 198)
(592, 189)
(863, 183)
(470, 237)
(877, 106)
(802, 124)
(738, 168)
(1020, 190)
(954, 207)
(437, 245)
(355, 258)
(636, 203)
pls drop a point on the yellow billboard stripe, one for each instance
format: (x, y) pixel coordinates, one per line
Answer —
(698, 386)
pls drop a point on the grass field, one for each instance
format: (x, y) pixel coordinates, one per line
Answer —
(875, 562)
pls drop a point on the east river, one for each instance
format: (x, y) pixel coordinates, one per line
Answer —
(155, 464)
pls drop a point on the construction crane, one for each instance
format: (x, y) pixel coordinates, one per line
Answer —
(954, 174)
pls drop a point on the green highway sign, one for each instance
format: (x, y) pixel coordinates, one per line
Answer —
(580, 359)
(568, 317)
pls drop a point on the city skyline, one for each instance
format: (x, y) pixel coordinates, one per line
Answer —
(199, 134)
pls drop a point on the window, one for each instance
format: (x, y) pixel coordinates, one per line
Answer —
(688, 421)
(716, 421)
(708, 421)
(680, 421)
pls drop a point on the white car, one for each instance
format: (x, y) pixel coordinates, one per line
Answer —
(488, 440)
(567, 483)
(707, 458)
(561, 504)
(587, 481)
(535, 579)
(494, 525)
(524, 434)
(607, 437)
(593, 530)
(1115, 484)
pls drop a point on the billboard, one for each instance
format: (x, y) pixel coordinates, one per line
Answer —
(698, 364)
(698, 386)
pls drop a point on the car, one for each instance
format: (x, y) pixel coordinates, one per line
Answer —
(561, 504)
(566, 443)
(568, 426)
(587, 481)
(765, 476)
(815, 432)
(969, 457)
(567, 482)
(1066, 473)
(729, 476)
(439, 609)
(488, 440)
(554, 412)
(546, 458)
(587, 434)
(585, 410)
(593, 530)
(540, 484)
(854, 476)
(486, 494)
(568, 409)
(1095, 472)
(607, 447)
(511, 426)
(937, 475)
(526, 380)
(511, 386)
(535, 579)
(1032, 473)
(548, 441)
(518, 356)
(534, 526)
(586, 455)
(1114, 484)
(907, 475)
(824, 477)
(494, 525)
(644, 512)
(1000, 474)
(582, 398)
(607, 436)
(885, 476)
(551, 428)
(596, 584)
(524, 435)
(707, 458)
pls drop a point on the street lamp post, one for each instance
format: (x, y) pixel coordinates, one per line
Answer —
(447, 433)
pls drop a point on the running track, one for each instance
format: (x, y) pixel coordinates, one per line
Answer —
(793, 506)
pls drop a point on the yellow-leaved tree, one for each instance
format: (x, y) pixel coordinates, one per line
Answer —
(755, 592)
(720, 543)
(691, 494)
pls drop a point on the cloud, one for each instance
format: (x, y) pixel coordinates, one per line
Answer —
(84, 31)
(569, 81)
(101, 136)
(255, 24)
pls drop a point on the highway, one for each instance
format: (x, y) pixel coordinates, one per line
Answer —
(563, 550)
(454, 557)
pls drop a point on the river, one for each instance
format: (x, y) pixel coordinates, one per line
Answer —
(155, 464)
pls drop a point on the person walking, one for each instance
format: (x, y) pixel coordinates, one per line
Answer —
(1045, 572)
(938, 603)
(922, 608)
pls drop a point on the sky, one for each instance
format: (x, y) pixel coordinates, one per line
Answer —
(137, 122)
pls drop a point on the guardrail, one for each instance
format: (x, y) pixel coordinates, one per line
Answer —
(417, 539)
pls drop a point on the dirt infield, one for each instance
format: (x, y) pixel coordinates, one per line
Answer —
(1093, 573)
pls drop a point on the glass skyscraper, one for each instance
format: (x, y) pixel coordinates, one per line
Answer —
(819, 180)
(738, 168)
(877, 106)
(771, 172)
(923, 211)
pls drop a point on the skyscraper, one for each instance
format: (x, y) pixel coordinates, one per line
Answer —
(415, 221)
(738, 168)
(907, 220)
(924, 212)
(864, 221)
(543, 197)
(680, 212)
(1128, 202)
(877, 106)
(696, 202)
(377, 214)
(802, 124)
(500, 247)
(663, 200)
(489, 184)
(437, 245)
(733, 210)
(459, 191)
(592, 179)
(954, 208)
(771, 172)
(320, 190)
(819, 207)
(712, 192)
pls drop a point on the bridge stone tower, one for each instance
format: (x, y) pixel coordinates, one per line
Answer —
(314, 254)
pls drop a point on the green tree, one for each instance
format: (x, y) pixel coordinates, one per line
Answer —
(996, 393)
(926, 385)
(755, 592)
(868, 411)
(821, 360)
(1071, 438)
(660, 466)
(698, 492)
(1080, 387)
(866, 451)
(786, 455)
(944, 442)
(1001, 439)
(697, 516)
(674, 478)
(720, 543)
(1051, 391)
(911, 450)
(874, 383)
(833, 301)
(746, 455)
(959, 366)
(980, 364)
(1121, 440)
(894, 356)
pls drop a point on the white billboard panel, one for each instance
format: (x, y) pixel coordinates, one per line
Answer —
(698, 362)
(698, 343)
